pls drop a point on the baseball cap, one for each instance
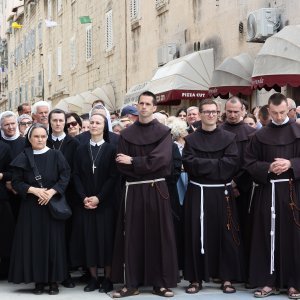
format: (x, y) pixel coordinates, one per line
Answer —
(129, 110)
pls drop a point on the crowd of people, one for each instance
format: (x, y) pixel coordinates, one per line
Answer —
(210, 193)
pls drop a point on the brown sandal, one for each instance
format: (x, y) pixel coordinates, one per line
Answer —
(126, 292)
(263, 293)
(293, 293)
(163, 292)
(194, 285)
(225, 287)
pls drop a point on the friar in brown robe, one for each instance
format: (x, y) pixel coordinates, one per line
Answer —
(273, 160)
(148, 248)
(212, 238)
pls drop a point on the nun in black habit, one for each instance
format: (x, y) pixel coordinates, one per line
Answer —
(38, 252)
(95, 176)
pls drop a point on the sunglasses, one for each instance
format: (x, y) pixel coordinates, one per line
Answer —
(74, 123)
(26, 123)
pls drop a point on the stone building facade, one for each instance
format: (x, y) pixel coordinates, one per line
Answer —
(54, 55)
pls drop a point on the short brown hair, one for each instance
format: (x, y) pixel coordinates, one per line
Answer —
(277, 99)
(150, 94)
(206, 102)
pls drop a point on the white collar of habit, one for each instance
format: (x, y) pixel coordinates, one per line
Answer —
(92, 143)
(10, 138)
(61, 137)
(41, 151)
(284, 122)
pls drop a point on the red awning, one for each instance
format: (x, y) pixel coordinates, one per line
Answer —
(278, 62)
(185, 78)
(232, 76)
(270, 81)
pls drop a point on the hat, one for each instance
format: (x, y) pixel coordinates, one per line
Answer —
(129, 110)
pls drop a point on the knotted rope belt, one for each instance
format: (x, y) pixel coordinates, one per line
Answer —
(230, 223)
(254, 185)
(152, 181)
(273, 219)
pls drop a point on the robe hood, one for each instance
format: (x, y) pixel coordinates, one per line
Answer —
(145, 134)
(211, 141)
(242, 130)
(279, 134)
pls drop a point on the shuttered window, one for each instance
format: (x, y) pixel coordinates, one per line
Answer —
(108, 31)
(134, 9)
(73, 53)
(89, 43)
(49, 67)
(59, 61)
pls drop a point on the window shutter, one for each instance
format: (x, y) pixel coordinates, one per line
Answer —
(49, 67)
(72, 53)
(89, 43)
(109, 30)
(59, 61)
(134, 9)
(40, 33)
(59, 6)
(49, 15)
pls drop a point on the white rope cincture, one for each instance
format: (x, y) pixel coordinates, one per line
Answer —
(254, 185)
(273, 219)
(202, 210)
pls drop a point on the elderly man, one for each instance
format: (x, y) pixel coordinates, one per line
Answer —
(273, 160)
(40, 112)
(193, 118)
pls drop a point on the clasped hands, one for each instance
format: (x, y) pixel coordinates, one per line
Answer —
(91, 202)
(44, 195)
(279, 166)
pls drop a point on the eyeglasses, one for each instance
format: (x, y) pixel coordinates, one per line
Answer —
(73, 124)
(29, 123)
(209, 112)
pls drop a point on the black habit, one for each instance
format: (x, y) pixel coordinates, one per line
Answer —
(38, 252)
(93, 229)
(149, 249)
(7, 221)
(211, 158)
(177, 209)
(268, 143)
(243, 181)
(16, 147)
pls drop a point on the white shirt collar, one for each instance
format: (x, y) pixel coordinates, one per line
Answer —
(92, 143)
(284, 122)
(41, 151)
(61, 137)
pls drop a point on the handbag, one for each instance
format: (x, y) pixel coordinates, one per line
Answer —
(58, 206)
